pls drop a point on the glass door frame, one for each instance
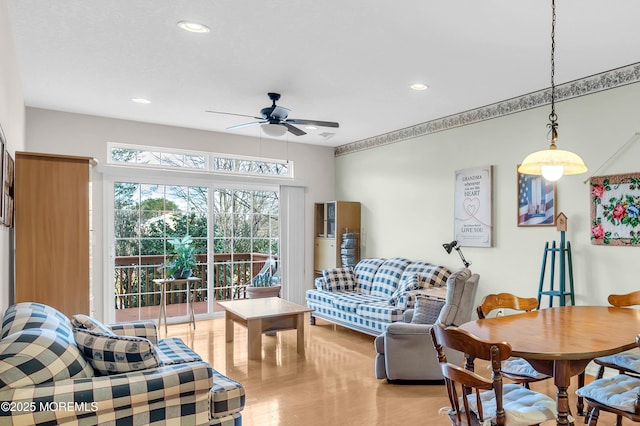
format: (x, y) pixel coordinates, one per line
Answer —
(171, 178)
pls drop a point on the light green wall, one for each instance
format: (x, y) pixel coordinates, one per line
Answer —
(406, 190)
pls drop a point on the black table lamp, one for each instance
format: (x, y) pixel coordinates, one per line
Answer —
(454, 245)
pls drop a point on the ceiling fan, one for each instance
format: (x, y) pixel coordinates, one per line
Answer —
(275, 122)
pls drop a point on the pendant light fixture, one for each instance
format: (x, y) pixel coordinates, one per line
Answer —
(552, 163)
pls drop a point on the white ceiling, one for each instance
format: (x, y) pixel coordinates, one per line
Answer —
(350, 61)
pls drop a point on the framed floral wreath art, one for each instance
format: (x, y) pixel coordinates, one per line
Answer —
(615, 210)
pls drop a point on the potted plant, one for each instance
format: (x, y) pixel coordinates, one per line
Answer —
(184, 259)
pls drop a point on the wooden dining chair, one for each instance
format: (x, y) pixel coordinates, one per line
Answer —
(476, 399)
(618, 395)
(626, 362)
(514, 368)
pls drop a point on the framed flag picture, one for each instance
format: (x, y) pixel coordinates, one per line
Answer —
(537, 201)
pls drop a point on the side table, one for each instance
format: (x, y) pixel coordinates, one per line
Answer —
(163, 298)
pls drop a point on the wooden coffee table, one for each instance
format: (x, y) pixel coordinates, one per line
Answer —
(262, 315)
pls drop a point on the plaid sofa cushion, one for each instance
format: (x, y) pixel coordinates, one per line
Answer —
(146, 329)
(380, 311)
(349, 302)
(320, 296)
(23, 317)
(89, 323)
(388, 276)
(34, 356)
(365, 271)
(339, 279)
(172, 350)
(112, 354)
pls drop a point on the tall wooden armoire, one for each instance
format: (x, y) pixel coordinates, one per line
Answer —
(52, 231)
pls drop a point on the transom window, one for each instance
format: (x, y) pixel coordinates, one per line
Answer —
(143, 156)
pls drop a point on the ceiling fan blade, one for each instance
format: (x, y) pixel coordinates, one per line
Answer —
(313, 122)
(240, 126)
(294, 129)
(231, 113)
(280, 113)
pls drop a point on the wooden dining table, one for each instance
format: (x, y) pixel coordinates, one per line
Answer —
(561, 341)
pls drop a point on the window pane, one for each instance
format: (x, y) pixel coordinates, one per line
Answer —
(124, 155)
(274, 223)
(242, 202)
(126, 223)
(126, 195)
(241, 245)
(223, 225)
(197, 225)
(177, 196)
(153, 247)
(242, 225)
(261, 246)
(127, 248)
(261, 225)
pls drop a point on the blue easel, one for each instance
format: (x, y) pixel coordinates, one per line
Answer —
(564, 261)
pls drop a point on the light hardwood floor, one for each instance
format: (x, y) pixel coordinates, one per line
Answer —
(332, 384)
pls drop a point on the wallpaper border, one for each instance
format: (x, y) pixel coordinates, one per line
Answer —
(585, 86)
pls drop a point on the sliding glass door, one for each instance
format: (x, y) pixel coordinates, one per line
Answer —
(235, 232)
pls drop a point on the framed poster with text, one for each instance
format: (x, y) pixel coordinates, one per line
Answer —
(473, 207)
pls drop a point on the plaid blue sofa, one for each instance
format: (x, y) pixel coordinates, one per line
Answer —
(373, 294)
(54, 370)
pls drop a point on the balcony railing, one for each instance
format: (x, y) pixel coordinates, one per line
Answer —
(231, 273)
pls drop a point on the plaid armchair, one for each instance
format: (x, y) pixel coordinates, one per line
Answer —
(56, 371)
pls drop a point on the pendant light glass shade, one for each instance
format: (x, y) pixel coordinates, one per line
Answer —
(552, 164)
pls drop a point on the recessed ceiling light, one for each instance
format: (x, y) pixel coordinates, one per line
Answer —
(419, 86)
(311, 127)
(141, 100)
(193, 27)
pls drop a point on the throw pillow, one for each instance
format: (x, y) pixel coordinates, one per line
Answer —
(426, 310)
(33, 356)
(112, 354)
(88, 323)
(412, 283)
(365, 271)
(339, 279)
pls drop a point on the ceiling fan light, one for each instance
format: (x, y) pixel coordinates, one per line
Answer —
(193, 27)
(552, 164)
(275, 130)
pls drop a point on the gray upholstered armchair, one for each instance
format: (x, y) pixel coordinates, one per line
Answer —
(405, 351)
